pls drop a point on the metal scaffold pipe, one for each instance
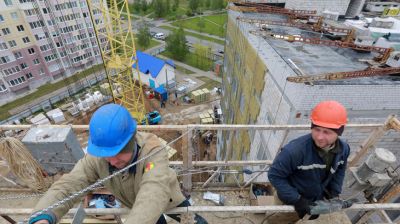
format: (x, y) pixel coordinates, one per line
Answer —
(246, 209)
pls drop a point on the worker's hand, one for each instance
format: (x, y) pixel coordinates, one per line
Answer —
(302, 206)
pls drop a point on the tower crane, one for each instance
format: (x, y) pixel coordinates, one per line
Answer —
(116, 42)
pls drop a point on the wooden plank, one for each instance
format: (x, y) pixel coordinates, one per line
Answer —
(370, 142)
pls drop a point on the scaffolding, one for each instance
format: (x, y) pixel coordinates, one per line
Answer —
(188, 150)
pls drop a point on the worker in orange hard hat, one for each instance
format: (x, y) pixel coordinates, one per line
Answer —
(312, 167)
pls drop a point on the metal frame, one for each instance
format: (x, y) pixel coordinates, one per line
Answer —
(391, 123)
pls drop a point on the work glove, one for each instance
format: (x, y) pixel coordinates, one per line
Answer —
(303, 206)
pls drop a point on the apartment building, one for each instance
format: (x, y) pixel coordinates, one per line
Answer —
(44, 41)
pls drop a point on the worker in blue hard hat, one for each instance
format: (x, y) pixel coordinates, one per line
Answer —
(149, 188)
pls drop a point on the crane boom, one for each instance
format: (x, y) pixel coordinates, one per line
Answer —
(345, 75)
(384, 52)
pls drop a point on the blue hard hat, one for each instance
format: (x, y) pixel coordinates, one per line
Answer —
(110, 128)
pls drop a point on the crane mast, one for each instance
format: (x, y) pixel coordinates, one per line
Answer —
(113, 28)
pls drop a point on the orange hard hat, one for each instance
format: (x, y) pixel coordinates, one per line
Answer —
(329, 114)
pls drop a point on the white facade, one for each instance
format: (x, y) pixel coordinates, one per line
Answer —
(166, 73)
(380, 6)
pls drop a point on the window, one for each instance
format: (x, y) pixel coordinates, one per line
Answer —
(3, 88)
(1, 18)
(29, 75)
(26, 40)
(14, 15)
(46, 10)
(20, 28)
(41, 71)
(397, 57)
(4, 59)
(24, 65)
(8, 2)
(12, 43)
(36, 61)
(31, 50)
(18, 55)
(3, 46)
(5, 31)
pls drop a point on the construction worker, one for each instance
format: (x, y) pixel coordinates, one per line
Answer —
(312, 167)
(150, 187)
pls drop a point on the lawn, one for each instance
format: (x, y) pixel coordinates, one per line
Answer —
(153, 43)
(192, 60)
(213, 24)
(199, 36)
(46, 89)
(208, 83)
(184, 70)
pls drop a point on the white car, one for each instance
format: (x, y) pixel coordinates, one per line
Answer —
(159, 36)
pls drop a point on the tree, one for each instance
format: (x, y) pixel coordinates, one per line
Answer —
(175, 5)
(159, 8)
(193, 5)
(145, 6)
(202, 53)
(176, 44)
(167, 6)
(207, 3)
(201, 24)
(144, 36)
(217, 4)
(137, 6)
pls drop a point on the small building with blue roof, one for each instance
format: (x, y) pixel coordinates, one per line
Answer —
(154, 72)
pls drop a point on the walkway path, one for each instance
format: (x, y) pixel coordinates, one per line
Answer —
(198, 72)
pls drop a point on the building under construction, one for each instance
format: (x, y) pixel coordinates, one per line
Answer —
(279, 62)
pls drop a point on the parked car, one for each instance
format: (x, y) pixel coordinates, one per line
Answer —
(152, 33)
(159, 36)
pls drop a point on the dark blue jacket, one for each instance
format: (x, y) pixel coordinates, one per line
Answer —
(299, 170)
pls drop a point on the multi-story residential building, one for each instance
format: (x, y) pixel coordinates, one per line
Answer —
(43, 41)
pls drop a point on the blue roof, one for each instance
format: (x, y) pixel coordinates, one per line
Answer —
(150, 64)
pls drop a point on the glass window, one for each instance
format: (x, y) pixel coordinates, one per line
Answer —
(5, 31)
(12, 43)
(18, 55)
(26, 40)
(24, 65)
(20, 28)
(14, 15)
(31, 51)
(8, 2)
(36, 61)
(1, 18)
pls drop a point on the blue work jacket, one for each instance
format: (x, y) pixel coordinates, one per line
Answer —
(298, 170)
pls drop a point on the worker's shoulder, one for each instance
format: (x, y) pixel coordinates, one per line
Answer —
(145, 136)
(298, 145)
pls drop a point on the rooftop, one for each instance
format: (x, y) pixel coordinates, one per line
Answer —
(313, 59)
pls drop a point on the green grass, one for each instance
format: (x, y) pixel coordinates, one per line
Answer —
(153, 43)
(208, 83)
(184, 70)
(45, 89)
(214, 24)
(199, 36)
(192, 59)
